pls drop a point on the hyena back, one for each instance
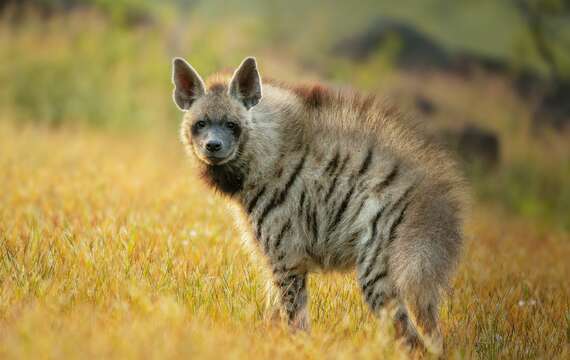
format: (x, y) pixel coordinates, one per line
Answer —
(327, 180)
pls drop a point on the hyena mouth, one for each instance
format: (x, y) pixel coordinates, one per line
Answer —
(214, 160)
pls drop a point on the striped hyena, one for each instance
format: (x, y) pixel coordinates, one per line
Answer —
(326, 180)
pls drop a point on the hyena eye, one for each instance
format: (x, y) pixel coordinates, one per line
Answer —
(231, 125)
(200, 124)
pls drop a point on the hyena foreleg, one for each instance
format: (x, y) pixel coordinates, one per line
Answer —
(292, 292)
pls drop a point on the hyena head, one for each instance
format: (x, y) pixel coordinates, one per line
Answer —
(216, 120)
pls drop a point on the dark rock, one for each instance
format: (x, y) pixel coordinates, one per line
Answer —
(466, 63)
(474, 145)
(553, 109)
(424, 105)
(417, 49)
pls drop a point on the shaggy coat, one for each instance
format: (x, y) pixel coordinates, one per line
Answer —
(330, 180)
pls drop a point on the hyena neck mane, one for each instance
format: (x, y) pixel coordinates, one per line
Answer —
(228, 179)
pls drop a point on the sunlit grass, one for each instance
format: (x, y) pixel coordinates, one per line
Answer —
(110, 247)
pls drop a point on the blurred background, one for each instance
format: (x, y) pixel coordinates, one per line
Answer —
(490, 79)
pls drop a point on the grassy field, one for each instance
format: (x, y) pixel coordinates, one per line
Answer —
(110, 248)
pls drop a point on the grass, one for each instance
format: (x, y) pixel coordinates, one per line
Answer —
(111, 248)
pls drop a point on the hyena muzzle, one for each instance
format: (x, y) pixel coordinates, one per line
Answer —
(326, 180)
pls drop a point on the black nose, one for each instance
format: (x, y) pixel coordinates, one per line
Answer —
(213, 146)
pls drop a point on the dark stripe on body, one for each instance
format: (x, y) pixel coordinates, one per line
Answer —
(332, 164)
(401, 199)
(374, 256)
(366, 163)
(354, 238)
(341, 209)
(391, 233)
(388, 180)
(255, 199)
(281, 234)
(280, 196)
(331, 189)
(314, 225)
(397, 223)
(336, 175)
(302, 201)
(372, 236)
(357, 212)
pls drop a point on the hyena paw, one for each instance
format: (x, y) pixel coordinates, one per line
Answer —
(410, 346)
(433, 343)
(273, 316)
(300, 323)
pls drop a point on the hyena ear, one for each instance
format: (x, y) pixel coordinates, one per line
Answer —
(188, 85)
(246, 83)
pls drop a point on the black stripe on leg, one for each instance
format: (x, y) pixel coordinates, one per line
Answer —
(370, 283)
(372, 261)
(372, 300)
(285, 282)
(378, 301)
(284, 269)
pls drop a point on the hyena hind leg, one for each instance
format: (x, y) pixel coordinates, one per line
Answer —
(292, 295)
(381, 296)
(423, 314)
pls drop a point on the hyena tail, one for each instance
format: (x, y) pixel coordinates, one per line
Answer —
(422, 259)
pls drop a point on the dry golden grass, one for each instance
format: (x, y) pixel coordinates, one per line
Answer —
(109, 248)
